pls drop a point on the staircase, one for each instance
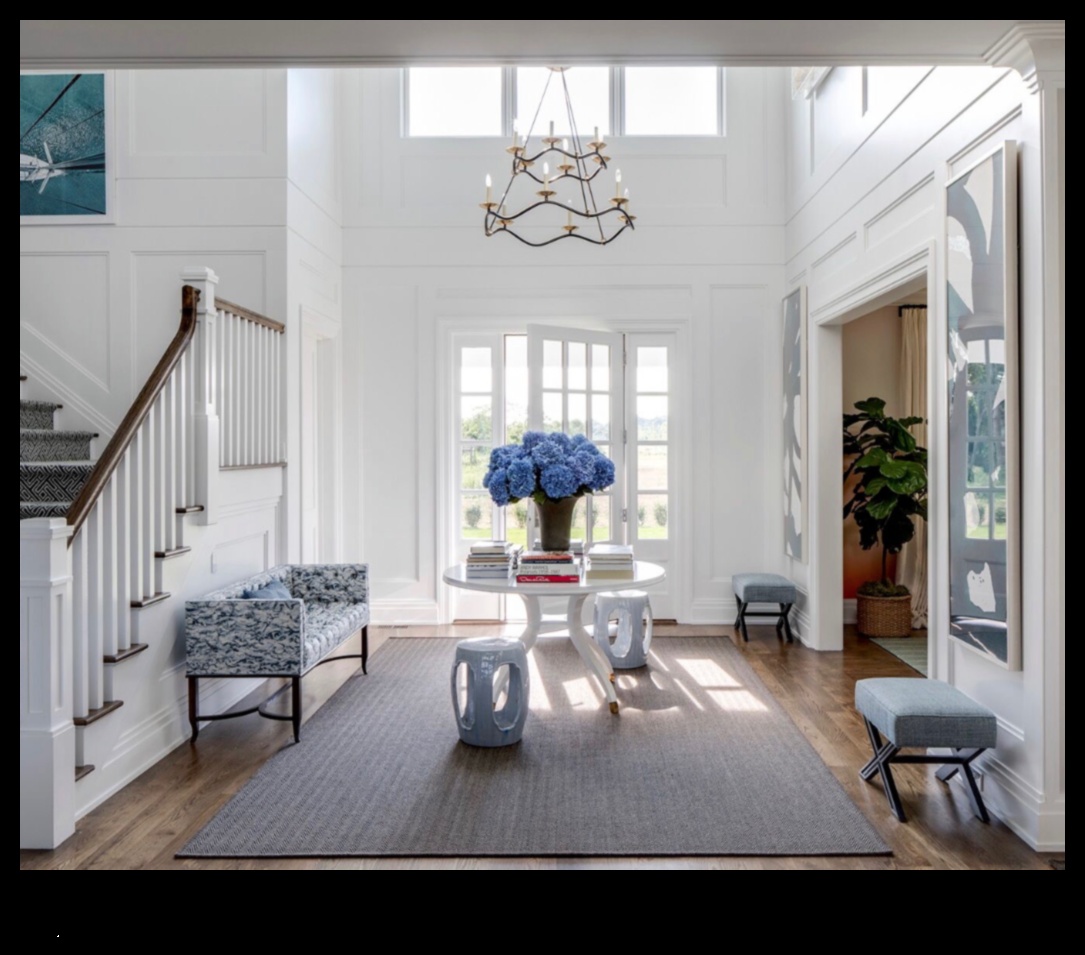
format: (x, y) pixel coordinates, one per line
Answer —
(105, 566)
(53, 465)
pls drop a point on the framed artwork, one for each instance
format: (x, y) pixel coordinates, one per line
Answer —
(984, 410)
(794, 424)
(65, 170)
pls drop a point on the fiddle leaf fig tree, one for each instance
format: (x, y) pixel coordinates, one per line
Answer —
(890, 490)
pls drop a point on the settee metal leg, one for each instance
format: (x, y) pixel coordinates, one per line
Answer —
(194, 706)
(295, 706)
(365, 647)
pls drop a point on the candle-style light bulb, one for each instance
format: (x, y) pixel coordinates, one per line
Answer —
(489, 188)
(626, 195)
(546, 174)
(595, 138)
(551, 129)
(618, 184)
(569, 214)
(565, 145)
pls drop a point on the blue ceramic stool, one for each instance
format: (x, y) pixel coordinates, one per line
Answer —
(493, 665)
(627, 647)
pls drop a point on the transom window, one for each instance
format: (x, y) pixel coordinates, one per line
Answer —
(623, 101)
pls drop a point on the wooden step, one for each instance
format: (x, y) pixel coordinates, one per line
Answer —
(167, 554)
(149, 601)
(191, 509)
(81, 771)
(22, 377)
(121, 655)
(94, 715)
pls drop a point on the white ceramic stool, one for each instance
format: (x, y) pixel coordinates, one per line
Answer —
(627, 648)
(494, 666)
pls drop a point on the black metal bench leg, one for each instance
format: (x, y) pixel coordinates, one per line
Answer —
(295, 707)
(785, 610)
(740, 622)
(947, 772)
(365, 647)
(883, 753)
(194, 706)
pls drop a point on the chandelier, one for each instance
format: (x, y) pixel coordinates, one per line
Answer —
(558, 176)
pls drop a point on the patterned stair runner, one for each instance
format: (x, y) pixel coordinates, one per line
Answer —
(53, 465)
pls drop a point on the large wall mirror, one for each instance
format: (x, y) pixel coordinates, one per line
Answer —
(984, 417)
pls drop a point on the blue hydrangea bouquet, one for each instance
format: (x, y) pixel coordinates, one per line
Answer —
(547, 468)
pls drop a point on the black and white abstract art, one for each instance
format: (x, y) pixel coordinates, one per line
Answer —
(981, 274)
(794, 423)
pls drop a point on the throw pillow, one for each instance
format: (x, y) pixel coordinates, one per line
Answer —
(272, 590)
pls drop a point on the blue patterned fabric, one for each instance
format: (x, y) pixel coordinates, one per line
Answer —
(228, 635)
(914, 712)
(763, 588)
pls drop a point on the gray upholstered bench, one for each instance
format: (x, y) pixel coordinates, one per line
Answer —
(923, 713)
(763, 588)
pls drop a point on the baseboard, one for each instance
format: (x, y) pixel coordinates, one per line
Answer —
(139, 747)
(1039, 822)
(712, 611)
(417, 611)
(851, 613)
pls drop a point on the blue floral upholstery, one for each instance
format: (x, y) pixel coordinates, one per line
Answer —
(227, 635)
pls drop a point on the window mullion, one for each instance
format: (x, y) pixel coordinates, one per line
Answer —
(617, 100)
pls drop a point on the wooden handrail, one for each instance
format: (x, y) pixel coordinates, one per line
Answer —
(249, 315)
(122, 438)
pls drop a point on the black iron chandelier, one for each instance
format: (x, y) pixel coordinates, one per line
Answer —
(569, 186)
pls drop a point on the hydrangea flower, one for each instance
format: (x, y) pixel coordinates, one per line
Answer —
(551, 465)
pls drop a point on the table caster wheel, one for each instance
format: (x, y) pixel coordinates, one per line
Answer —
(612, 678)
(614, 707)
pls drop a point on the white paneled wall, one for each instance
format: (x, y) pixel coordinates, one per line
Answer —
(869, 155)
(705, 260)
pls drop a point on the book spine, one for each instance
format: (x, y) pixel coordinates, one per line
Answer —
(563, 570)
(548, 578)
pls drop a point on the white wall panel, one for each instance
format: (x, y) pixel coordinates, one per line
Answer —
(64, 310)
(184, 124)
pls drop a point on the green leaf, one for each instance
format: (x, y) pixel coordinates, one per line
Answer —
(894, 469)
(875, 407)
(874, 458)
(874, 485)
(909, 484)
(881, 507)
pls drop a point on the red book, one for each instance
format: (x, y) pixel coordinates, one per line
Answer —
(548, 578)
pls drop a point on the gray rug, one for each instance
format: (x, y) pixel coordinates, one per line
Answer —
(912, 650)
(700, 761)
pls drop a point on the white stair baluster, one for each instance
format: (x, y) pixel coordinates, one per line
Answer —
(108, 504)
(136, 471)
(147, 492)
(169, 475)
(124, 504)
(92, 532)
(79, 626)
(180, 497)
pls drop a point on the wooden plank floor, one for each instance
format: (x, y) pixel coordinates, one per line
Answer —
(147, 822)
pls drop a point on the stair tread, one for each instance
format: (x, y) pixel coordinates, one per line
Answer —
(31, 509)
(149, 601)
(125, 654)
(88, 464)
(94, 715)
(30, 404)
(173, 552)
(52, 433)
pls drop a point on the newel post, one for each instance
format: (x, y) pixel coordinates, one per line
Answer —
(46, 732)
(205, 417)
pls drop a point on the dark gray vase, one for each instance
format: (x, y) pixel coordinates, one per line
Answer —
(555, 523)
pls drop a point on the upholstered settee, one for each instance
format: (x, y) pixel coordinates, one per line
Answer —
(279, 623)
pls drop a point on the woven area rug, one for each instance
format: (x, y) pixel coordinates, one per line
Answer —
(701, 760)
(912, 650)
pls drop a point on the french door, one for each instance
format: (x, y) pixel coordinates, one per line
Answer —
(615, 389)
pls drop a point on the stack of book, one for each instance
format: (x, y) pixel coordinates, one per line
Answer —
(492, 560)
(609, 562)
(548, 567)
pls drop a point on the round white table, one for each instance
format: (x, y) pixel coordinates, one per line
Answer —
(644, 575)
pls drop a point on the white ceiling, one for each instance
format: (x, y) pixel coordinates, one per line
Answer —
(199, 42)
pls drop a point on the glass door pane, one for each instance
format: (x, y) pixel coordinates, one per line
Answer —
(575, 387)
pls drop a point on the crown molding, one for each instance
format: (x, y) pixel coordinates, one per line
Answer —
(1036, 50)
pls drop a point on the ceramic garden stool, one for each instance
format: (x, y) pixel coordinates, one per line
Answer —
(923, 713)
(764, 588)
(633, 634)
(493, 665)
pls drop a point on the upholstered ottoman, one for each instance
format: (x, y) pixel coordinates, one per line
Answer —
(927, 714)
(763, 588)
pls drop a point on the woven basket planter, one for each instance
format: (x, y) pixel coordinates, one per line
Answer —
(884, 616)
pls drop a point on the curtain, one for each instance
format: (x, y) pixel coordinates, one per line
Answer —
(912, 561)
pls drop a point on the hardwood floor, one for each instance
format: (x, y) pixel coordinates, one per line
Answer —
(142, 826)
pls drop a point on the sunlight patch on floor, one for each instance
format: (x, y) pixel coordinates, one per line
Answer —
(697, 703)
(537, 691)
(582, 694)
(708, 673)
(737, 701)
